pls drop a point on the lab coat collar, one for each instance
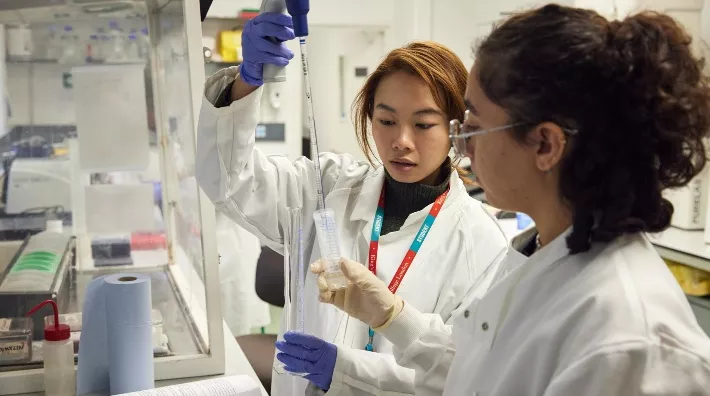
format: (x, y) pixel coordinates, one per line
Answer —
(372, 187)
(544, 258)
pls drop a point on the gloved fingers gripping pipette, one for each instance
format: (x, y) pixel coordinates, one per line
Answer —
(265, 56)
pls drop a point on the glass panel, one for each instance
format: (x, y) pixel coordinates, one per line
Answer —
(100, 139)
(177, 123)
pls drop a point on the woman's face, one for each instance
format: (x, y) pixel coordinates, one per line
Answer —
(503, 166)
(410, 131)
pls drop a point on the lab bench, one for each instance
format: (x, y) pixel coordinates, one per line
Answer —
(177, 323)
(236, 364)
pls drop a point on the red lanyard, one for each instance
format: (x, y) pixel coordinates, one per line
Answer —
(411, 253)
(416, 243)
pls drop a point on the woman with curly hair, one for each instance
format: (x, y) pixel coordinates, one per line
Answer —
(580, 123)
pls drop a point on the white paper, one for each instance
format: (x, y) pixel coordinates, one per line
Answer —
(5, 324)
(227, 386)
(111, 117)
(119, 208)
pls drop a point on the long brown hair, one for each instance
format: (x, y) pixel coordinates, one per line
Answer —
(434, 63)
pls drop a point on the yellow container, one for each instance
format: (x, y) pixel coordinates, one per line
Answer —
(693, 281)
(229, 45)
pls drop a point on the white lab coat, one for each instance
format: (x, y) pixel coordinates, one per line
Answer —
(256, 191)
(239, 252)
(611, 321)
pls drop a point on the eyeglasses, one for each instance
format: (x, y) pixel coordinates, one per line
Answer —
(460, 133)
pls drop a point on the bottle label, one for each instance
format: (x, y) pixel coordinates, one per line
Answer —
(16, 348)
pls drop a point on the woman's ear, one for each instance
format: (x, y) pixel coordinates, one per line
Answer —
(551, 141)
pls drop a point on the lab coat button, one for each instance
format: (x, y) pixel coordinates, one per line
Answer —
(484, 326)
(466, 313)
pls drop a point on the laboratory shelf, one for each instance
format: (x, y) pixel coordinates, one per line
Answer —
(682, 246)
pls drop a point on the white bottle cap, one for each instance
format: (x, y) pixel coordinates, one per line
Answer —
(54, 226)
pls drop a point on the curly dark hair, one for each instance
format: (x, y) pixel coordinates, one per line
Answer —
(634, 92)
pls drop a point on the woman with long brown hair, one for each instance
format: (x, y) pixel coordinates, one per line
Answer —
(410, 220)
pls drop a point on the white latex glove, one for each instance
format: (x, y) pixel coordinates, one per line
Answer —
(366, 298)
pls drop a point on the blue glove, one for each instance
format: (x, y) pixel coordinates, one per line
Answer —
(302, 353)
(259, 46)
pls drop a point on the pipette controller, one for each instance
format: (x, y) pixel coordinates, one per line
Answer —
(273, 73)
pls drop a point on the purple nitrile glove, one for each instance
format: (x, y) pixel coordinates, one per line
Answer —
(262, 43)
(302, 353)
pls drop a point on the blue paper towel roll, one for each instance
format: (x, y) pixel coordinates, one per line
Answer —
(116, 347)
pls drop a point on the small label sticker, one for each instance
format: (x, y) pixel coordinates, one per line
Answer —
(12, 348)
(5, 324)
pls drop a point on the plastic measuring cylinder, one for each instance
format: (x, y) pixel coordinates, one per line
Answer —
(329, 248)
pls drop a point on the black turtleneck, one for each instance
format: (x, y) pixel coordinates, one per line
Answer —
(403, 199)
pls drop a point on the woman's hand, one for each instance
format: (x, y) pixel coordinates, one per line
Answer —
(366, 297)
(262, 43)
(302, 353)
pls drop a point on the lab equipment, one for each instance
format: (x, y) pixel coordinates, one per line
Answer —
(294, 283)
(58, 355)
(93, 49)
(15, 340)
(39, 271)
(690, 202)
(325, 219)
(71, 53)
(144, 44)
(118, 44)
(273, 73)
(74, 319)
(51, 50)
(116, 345)
(132, 51)
(38, 183)
(329, 247)
(111, 250)
(229, 45)
(180, 258)
(259, 34)
(303, 353)
(19, 42)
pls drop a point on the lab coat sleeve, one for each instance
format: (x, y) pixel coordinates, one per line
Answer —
(634, 369)
(423, 342)
(359, 372)
(251, 188)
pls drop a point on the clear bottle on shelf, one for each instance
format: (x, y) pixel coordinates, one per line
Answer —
(132, 52)
(118, 44)
(104, 44)
(144, 44)
(93, 49)
(51, 45)
(68, 45)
